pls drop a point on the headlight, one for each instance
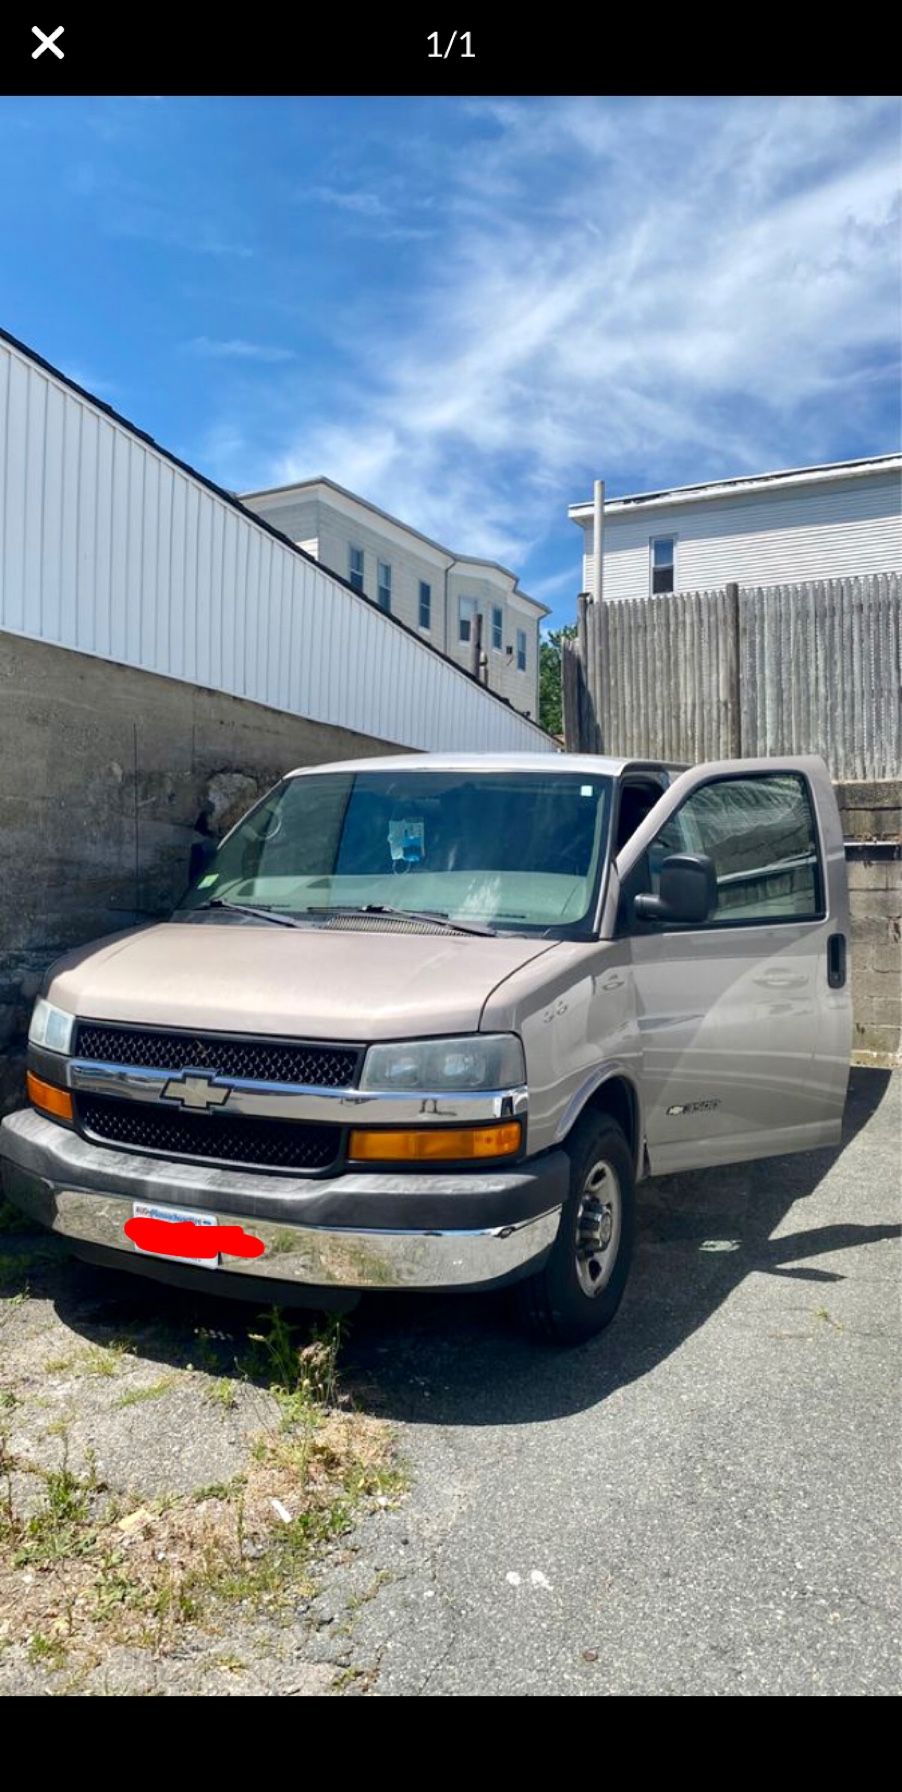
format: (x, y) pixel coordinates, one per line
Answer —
(51, 1028)
(477, 1061)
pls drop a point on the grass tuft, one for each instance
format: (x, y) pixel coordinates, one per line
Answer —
(156, 1390)
(138, 1572)
(105, 1359)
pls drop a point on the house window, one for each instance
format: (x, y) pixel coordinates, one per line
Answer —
(425, 605)
(355, 568)
(663, 557)
(466, 617)
(383, 586)
(497, 628)
(521, 650)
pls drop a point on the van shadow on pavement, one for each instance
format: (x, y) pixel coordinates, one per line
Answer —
(459, 1360)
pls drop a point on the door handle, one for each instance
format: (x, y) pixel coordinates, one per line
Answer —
(836, 960)
(613, 980)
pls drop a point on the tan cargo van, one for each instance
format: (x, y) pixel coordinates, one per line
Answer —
(424, 1022)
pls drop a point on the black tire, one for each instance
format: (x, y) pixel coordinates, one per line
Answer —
(578, 1292)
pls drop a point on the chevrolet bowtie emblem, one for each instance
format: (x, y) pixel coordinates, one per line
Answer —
(195, 1092)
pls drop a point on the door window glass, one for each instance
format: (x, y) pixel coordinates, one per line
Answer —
(761, 834)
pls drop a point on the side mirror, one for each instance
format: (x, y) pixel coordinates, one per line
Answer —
(203, 851)
(688, 890)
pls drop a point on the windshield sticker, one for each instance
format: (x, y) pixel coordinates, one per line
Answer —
(407, 840)
(211, 878)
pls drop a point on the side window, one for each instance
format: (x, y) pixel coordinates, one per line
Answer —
(355, 567)
(383, 585)
(760, 832)
(662, 561)
(466, 614)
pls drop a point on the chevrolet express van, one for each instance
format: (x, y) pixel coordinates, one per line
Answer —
(424, 1022)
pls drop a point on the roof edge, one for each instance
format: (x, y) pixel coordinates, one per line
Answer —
(715, 488)
(299, 485)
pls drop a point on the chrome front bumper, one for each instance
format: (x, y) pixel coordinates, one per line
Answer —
(87, 1192)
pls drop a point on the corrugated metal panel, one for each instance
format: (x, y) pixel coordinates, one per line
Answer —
(108, 547)
(841, 529)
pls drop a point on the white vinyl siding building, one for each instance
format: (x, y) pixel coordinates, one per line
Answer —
(331, 523)
(809, 523)
(112, 547)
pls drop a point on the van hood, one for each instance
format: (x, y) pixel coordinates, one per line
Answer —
(303, 983)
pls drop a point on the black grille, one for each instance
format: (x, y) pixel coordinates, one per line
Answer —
(235, 1139)
(259, 1060)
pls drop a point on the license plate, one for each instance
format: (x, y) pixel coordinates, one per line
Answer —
(146, 1210)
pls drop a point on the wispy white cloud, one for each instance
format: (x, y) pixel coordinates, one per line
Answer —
(384, 216)
(359, 200)
(645, 289)
(558, 584)
(236, 349)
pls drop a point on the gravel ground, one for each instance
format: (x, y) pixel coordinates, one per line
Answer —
(704, 1500)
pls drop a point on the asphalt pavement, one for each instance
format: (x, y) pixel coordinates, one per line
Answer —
(703, 1500)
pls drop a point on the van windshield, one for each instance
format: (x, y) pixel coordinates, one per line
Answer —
(519, 851)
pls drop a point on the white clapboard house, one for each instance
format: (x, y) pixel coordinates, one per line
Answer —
(835, 521)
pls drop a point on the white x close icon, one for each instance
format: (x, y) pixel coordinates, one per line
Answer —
(48, 42)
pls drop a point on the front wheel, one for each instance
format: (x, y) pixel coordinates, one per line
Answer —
(579, 1289)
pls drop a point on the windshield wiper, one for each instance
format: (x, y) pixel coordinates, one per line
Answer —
(367, 908)
(243, 908)
(404, 914)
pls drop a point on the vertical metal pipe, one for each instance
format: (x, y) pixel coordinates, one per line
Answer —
(476, 644)
(598, 541)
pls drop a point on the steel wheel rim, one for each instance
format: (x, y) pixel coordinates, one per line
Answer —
(598, 1227)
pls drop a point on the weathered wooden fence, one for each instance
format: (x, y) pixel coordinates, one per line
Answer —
(812, 668)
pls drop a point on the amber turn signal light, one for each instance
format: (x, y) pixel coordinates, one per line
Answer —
(48, 1098)
(435, 1144)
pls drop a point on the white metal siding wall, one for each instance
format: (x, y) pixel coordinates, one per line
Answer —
(837, 529)
(107, 547)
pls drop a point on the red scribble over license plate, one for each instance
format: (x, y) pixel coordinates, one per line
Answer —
(179, 1235)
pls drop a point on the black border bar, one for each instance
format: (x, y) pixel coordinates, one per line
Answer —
(518, 52)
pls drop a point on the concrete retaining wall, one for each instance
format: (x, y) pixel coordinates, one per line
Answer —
(872, 823)
(107, 774)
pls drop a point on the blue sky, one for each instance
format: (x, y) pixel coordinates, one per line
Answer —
(467, 309)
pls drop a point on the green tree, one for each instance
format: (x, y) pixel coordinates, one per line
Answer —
(550, 700)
